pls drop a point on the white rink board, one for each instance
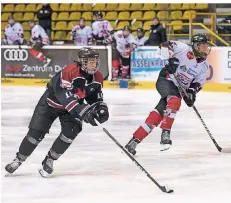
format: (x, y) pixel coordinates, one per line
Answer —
(95, 170)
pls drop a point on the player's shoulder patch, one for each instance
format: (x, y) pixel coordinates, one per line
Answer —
(190, 55)
(98, 77)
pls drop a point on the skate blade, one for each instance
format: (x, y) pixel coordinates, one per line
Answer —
(164, 147)
(43, 173)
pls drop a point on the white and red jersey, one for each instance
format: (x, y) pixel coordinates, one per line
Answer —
(189, 70)
(141, 41)
(123, 43)
(81, 36)
(38, 34)
(13, 33)
(101, 28)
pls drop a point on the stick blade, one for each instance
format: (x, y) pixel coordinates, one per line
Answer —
(226, 150)
(166, 189)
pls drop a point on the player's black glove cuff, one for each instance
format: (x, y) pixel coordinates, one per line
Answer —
(173, 64)
(191, 97)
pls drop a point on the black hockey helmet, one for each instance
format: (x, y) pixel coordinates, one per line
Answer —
(127, 28)
(88, 60)
(201, 52)
(99, 15)
(140, 32)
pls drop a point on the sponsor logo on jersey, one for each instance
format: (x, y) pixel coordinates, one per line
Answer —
(15, 55)
(183, 68)
(183, 79)
(192, 72)
(190, 55)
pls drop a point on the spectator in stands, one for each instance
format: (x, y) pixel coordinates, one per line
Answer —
(13, 32)
(157, 33)
(44, 15)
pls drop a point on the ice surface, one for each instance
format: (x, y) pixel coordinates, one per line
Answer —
(95, 170)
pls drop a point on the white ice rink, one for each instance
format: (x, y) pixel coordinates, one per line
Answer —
(94, 169)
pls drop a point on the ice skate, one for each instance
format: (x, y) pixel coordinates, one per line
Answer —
(165, 140)
(13, 166)
(131, 145)
(47, 167)
(47, 61)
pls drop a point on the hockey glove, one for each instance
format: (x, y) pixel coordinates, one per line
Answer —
(191, 97)
(98, 112)
(173, 64)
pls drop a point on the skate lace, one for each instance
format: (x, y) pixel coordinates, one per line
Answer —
(15, 163)
(165, 136)
(49, 163)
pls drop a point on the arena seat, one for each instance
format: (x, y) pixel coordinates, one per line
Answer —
(137, 25)
(54, 16)
(187, 6)
(63, 16)
(201, 6)
(124, 15)
(148, 7)
(135, 7)
(55, 7)
(174, 6)
(28, 16)
(121, 25)
(123, 7)
(87, 15)
(99, 7)
(3, 25)
(86, 7)
(176, 15)
(5, 16)
(163, 15)
(8, 8)
(177, 25)
(111, 7)
(52, 25)
(60, 25)
(35, 17)
(39, 6)
(75, 16)
(113, 24)
(60, 35)
(31, 8)
(18, 16)
(147, 25)
(26, 35)
(64, 7)
(149, 15)
(136, 15)
(75, 7)
(20, 7)
(52, 35)
(187, 14)
(161, 7)
(68, 37)
(111, 15)
(147, 33)
(25, 26)
(71, 24)
(2, 34)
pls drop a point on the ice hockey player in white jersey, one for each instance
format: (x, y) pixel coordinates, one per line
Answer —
(13, 32)
(189, 64)
(124, 43)
(101, 29)
(38, 39)
(82, 34)
(140, 38)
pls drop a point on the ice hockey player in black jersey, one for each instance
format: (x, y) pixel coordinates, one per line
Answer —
(73, 95)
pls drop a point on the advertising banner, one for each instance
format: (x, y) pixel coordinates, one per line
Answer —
(18, 63)
(146, 64)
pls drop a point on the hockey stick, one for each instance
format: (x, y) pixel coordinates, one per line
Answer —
(162, 188)
(182, 90)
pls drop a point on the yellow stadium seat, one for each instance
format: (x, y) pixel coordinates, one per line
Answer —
(175, 6)
(18, 16)
(60, 35)
(71, 24)
(68, 37)
(147, 33)
(111, 7)
(60, 25)
(55, 7)
(87, 15)
(5, 16)
(134, 33)
(88, 23)
(137, 25)
(64, 7)
(121, 25)
(75, 16)
(26, 35)
(187, 6)
(113, 24)
(99, 7)
(52, 25)
(63, 16)
(111, 15)
(188, 13)
(123, 7)
(75, 7)
(31, 8)
(3, 25)
(39, 6)
(35, 17)
(147, 25)
(8, 8)
(2, 35)
(25, 26)
(201, 6)
(177, 25)
(136, 15)
(54, 16)
(28, 16)
(149, 15)
(20, 7)
(148, 7)
(124, 15)
(176, 15)
(161, 7)
(136, 7)
(163, 15)
(86, 7)
(52, 35)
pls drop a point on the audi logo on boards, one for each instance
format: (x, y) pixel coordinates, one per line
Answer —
(16, 55)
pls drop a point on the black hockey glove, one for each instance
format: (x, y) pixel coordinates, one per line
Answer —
(173, 64)
(98, 112)
(191, 97)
